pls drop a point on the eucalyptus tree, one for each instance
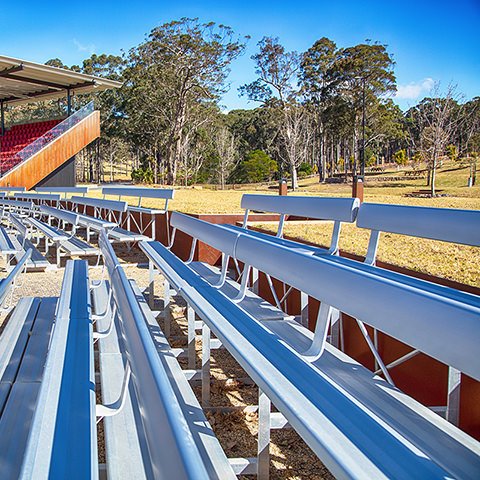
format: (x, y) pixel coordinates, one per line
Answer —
(439, 118)
(182, 66)
(363, 74)
(316, 77)
(276, 88)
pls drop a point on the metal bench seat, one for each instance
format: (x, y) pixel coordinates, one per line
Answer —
(115, 232)
(351, 435)
(119, 234)
(62, 441)
(106, 213)
(63, 240)
(22, 243)
(180, 442)
(37, 261)
(28, 334)
(6, 246)
(18, 206)
(41, 198)
(143, 192)
(76, 219)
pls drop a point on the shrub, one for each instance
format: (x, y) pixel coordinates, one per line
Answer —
(400, 157)
(258, 167)
(142, 175)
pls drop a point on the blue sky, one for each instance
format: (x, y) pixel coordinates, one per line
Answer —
(431, 40)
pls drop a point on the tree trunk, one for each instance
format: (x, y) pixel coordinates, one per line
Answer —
(294, 177)
(432, 183)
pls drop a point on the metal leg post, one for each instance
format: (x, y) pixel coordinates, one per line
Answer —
(191, 337)
(264, 421)
(205, 365)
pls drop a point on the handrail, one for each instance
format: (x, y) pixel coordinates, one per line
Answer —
(50, 136)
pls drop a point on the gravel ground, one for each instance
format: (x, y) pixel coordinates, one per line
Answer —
(290, 456)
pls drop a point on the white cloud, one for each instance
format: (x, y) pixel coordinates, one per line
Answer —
(414, 89)
(90, 48)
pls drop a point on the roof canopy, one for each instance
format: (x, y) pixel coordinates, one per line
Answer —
(24, 82)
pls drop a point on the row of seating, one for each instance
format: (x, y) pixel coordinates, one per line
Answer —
(46, 211)
(47, 385)
(17, 138)
(357, 423)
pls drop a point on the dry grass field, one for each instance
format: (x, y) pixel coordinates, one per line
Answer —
(459, 263)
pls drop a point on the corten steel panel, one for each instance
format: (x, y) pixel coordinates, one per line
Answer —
(47, 160)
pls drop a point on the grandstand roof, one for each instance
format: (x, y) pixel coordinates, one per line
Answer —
(23, 82)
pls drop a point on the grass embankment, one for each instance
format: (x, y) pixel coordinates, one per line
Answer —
(459, 263)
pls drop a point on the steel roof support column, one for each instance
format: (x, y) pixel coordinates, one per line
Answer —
(2, 110)
(69, 102)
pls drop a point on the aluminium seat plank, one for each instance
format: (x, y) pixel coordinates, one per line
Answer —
(122, 235)
(36, 261)
(15, 422)
(125, 447)
(252, 303)
(207, 443)
(6, 245)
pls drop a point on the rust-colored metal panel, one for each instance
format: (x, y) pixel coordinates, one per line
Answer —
(40, 165)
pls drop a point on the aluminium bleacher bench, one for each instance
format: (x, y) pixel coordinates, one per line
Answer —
(64, 190)
(19, 238)
(337, 210)
(171, 438)
(361, 427)
(51, 199)
(66, 242)
(108, 214)
(23, 208)
(247, 299)
(10, 190)
(47, 423)
(8, 284)
(166, 194)
(448, 225)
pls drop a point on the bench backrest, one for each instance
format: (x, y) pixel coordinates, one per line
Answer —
(99, 203)
(444, 328)
(63, 440)
(18, 224)
(12, 189)
(64, 190)
(53, 197)
(206, 232)
(6, 284)
(324, 208)
(445, 224)
(334, 209)
(172, 448)
(64, 215)
(25, 205)
(140, 192)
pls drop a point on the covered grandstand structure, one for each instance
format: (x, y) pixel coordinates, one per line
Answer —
(43, 153)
